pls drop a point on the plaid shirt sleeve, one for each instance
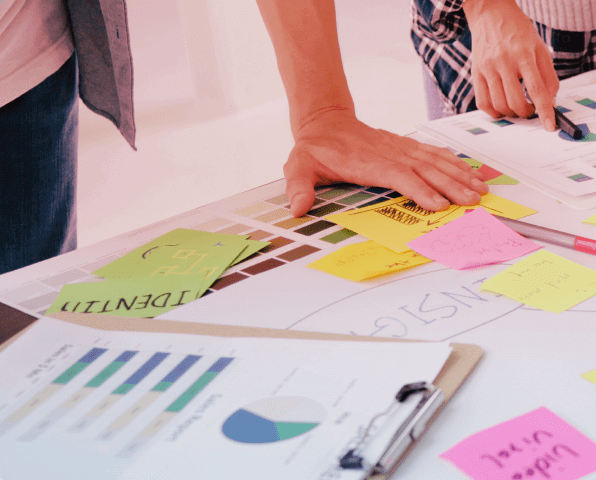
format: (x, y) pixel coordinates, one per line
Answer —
(442, 38)
(442, 20)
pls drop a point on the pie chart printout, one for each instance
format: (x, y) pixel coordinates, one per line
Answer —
(587, 135)
(273, 419)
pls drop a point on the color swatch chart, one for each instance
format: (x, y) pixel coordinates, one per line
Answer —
(262, 213)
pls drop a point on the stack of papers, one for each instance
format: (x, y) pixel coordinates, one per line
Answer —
(168, 272)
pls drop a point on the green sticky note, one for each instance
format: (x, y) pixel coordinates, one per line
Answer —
(138, 297)
(127, 265)
(183, 259)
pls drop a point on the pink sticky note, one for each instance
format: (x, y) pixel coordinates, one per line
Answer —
(535, 446)
(474, 239)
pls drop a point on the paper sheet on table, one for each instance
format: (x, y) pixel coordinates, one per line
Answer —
(545, 280)
(396, 222)
(590, 376)
(536, 445)
(249, 408)
(138, 297)
(129, 264)
(473, 240)
(364, 260)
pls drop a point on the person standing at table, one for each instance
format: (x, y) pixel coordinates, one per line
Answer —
(478, 50)
(332, 145)
(46, 46)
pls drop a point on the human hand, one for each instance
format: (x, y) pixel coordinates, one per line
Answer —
(337, 147)
(507, 48)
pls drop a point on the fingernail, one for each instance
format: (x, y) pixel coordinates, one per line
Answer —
(440, 200)
(480, 185)
(550, 125)
(469, 192)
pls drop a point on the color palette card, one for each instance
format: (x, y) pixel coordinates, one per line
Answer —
(364, 260)
(139, 297)
(396, 222)
(473, 240)
(546, 281)
(537, 445)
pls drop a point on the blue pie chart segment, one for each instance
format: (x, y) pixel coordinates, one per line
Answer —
(273, 419)
(587, 136)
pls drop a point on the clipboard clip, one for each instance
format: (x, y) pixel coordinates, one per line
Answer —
(432, 398)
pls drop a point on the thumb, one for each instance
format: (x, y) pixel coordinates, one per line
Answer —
(300, 183)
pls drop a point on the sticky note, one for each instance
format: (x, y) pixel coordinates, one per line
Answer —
(181, 259)
(591, 220)
(590, 376)
(544, 280)
(140, 297)
(472, 240)
(537, 445)
(364, 260)
(124, 266)
(489, 174)
(396, 222)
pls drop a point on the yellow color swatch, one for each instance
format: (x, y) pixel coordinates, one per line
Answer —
(590, 376)
(361, 261)
(591, 220)
(396, 222)
(546, 281)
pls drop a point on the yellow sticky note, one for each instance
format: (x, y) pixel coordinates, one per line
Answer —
(364, 260)
(590, 376)
(591, 220)
(396, 222)
(546, 281)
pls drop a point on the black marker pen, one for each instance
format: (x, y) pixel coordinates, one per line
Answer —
(567, 125)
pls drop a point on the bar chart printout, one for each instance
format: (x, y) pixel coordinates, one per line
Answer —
(81, 394)
(52, 389)
(163, 404)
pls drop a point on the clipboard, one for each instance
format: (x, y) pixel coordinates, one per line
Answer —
(462, 360)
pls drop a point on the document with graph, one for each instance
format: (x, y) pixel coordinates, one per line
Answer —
(78, 402)
(553, 162)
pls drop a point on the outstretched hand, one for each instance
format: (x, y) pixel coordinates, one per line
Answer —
(336, 147)
(506, 49)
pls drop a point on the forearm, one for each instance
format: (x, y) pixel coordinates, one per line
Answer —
(304, 36)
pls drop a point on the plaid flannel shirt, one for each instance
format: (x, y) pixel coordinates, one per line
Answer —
(443, 40)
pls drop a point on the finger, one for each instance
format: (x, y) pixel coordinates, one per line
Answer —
(468, 180)
(540, 96)
(498, 96)
(432, 154)
(516, 98)
(300, 183)
(402, 179)
(546, 68)
(483, 98)
(457, 192)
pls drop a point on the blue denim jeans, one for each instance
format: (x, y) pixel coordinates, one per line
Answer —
(38, 171)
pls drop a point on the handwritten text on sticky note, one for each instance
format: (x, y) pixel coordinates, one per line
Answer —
(396, 222)
(365, 260)
(473, 240)
(545, 280)
(537, 445)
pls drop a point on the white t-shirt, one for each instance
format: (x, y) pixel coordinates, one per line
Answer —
(35, 41)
